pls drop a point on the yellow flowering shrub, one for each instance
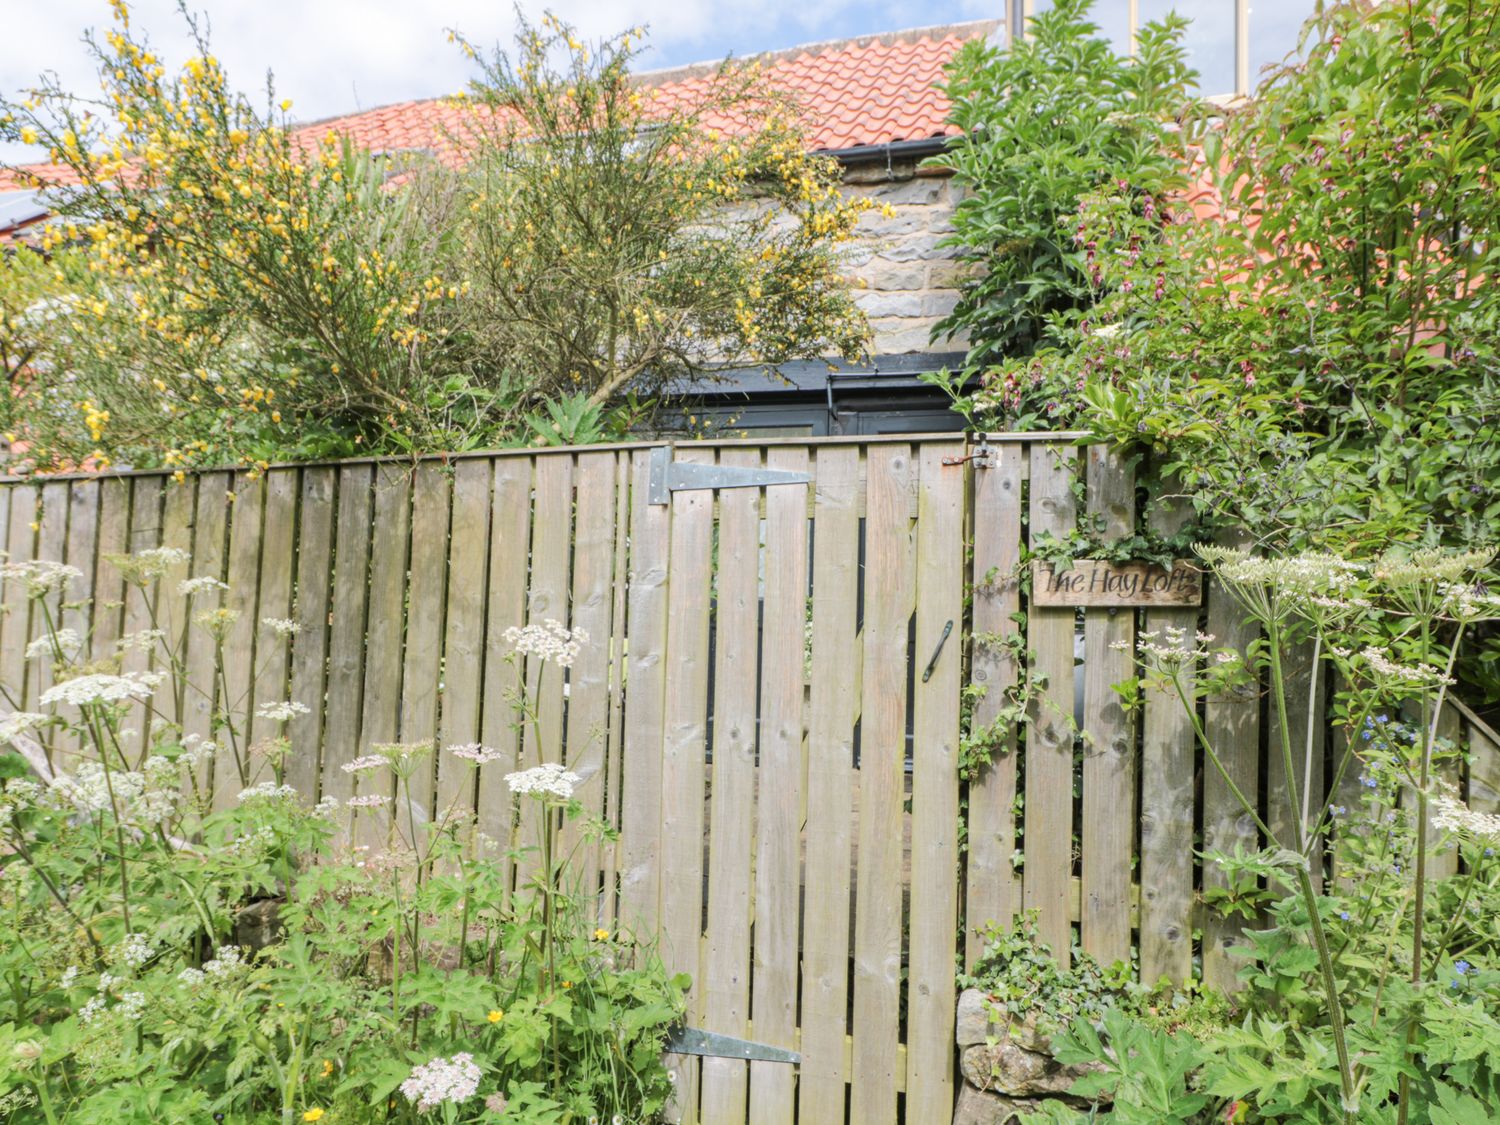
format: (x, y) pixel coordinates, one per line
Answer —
(245, 292)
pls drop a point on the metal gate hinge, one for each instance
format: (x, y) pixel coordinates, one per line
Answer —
(668, 476)
(691, 1041)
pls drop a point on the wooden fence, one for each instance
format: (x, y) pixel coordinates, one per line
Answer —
(769, 710)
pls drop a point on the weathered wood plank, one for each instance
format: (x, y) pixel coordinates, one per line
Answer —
(547, 599)
(17, 608)
(140, 607)
(277, 568)
(685, 730)
(510, 538)
(1109, 759)
(993, 887)
(932, 996)
(1168, 794)
(614, 748)
(888, 603)
(1484, 769)
(645, 703)
(1304, 681)
(78, 609)
(423, 662)
(588, 679)
(726, 984)
(51, 545)
(1048, 822)
(830, 788)
(463, 641)
(179, 527)
(309, 659)
(778, 850)
(233, 768)
(380, 715)
(1231, 721)
(343, 737)
(109, 586)
(210, 551)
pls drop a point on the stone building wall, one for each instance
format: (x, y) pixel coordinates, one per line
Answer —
(903, 280)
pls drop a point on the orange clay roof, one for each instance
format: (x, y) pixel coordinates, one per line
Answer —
(865, 91)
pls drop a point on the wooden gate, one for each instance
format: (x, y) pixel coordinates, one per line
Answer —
(769, 709)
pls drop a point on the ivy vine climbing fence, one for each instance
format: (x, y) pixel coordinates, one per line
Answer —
(771, 710)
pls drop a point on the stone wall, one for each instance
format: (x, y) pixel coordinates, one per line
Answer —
(903, 281)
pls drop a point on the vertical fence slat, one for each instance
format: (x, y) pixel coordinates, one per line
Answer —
(179, 528)
(109, 587)
(342, 736)
(232, 767)
(888, 588)
(210, 527)
(645, 701)
(1109, 763)
(1167, 799)
(1484, 769)
(310, 643)
(614, 746)
(830, 787)
(510, 530)
(78, 610)
(274, 601)
(390, 540)
(1231, 721)
(684, 739)
(588, 679)
(934, 861)
(1048, 814)
(551, 536)
(51, 545)
(993, 888)
(726, 986)
(1442, 854)
(1302, 680)
(778, 851)
(424, 628)
(20, 544)
(140, 602)
(463, 642)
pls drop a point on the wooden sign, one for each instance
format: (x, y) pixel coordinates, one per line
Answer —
(1098, 583)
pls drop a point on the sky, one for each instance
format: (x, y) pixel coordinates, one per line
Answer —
(336, 56)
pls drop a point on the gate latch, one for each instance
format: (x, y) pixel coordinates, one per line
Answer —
(668, 476)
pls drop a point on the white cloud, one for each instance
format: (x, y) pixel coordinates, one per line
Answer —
(335, 56)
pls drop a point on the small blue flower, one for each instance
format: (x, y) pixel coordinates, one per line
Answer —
(1337, 810)
(1489, 852)
(1462, 967)
(1381, 719)
(1344, 914)
(1366, 735)
(1368, 782)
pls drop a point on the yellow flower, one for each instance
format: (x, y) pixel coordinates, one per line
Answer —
(567, 984)
(601, 935)
(286, 104)
(314, 1114)
(327, 1067)
(28, 135)
(495, 1016)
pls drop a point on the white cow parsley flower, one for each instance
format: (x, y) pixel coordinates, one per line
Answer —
(204, 584)
(65, 641)
(364, 763)
(19, 722)
(368, 801)
(281, 712)
(454, 1080)
(41, 576)
(281, 626)
(475, 753)
(547, 641)
(546, 780)
(266, 791)
(100, 687)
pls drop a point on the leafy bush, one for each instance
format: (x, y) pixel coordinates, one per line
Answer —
(253, 292)
(174, 955)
